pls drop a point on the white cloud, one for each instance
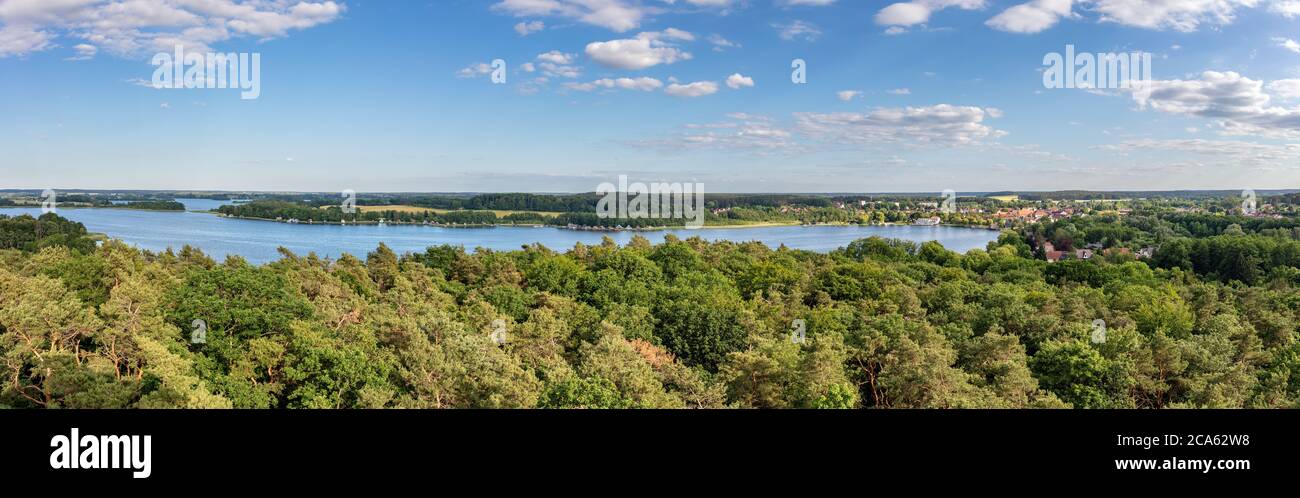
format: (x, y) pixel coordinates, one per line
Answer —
(475, 70)
(901, 91)
(1288, 44)
(696, 89)
(938, 124)
(557, 57)
(1288, 8)
(22, 40)
(135, 27)
(1178, 15)
(1230, 152)
(642, 84)
(720, 43)
(558, 64)
(744, 133)
(1237, 104)
(530, 27)
(616, 15)
(667, 34)
(918, 11)
(635, 53)
(1031, 17)
(798, 30)
(84, 51)
(1285, 89)
(736, 81)
(847, 95)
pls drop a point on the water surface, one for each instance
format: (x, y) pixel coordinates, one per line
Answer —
(257, 241)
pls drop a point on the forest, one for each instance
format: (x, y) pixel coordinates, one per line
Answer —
(682, 324)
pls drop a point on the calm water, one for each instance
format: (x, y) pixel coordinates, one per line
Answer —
(257, 240)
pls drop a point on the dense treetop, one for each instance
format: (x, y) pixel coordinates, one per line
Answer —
(682, 324)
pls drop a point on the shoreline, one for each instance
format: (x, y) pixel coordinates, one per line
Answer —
(762, 224)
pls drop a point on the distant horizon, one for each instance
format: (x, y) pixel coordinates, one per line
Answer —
(1281, 190)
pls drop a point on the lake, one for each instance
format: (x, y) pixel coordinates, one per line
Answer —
(257, 241)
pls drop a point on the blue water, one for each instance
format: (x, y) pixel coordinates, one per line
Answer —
(202, 204)
(257, 241)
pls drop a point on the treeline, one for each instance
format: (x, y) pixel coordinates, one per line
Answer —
(682, 324)
(1069, 195)
(151, 205)
(1224, 248)
(30, 234)
(285, 211)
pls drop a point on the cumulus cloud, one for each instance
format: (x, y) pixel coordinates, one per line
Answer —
(696, 89)
(798, 30)
(642, 84)
(938, 124)
(720, 43)
(558, 64)
(847, 95)
(738, 81)
(557, 57)
(646, 50)
(668, 34)
(1288, 44)
(1031, 17)
(475, 70)
(22, 40)
(918, 11)
(1285, 89)
(134, 27)
(1178, 15)
(616, 15)
(1237, 104)
(1288, 8)
(84, 51)
(901, 91)
(530, 27)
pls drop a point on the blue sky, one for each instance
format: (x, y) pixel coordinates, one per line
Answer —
(398, 96)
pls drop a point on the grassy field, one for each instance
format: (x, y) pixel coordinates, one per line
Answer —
(417, 209)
